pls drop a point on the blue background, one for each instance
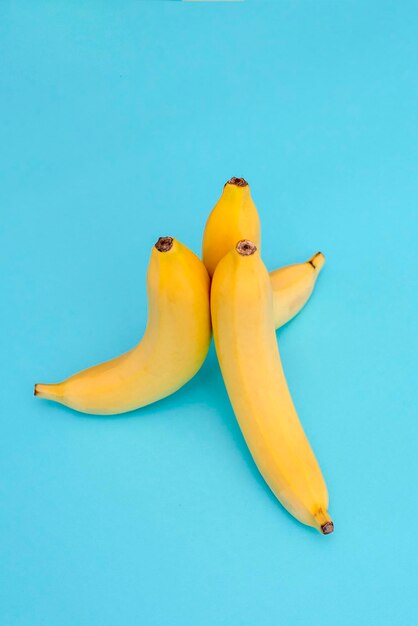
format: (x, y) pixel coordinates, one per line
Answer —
(120, 122)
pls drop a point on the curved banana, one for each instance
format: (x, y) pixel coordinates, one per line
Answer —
(292, 287)
(234, 217)
(173, 348)
(245, 340)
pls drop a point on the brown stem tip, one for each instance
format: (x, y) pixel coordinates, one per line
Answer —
(164, 244)
(314, 261)
(246, 247)
(238, 182)
(327, 528)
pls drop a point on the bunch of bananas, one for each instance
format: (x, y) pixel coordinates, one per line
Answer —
(231, 292)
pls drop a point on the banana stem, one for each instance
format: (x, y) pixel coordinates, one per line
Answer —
(48, 392)
(317, 261)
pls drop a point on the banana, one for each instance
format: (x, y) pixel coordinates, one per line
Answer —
(234, 217)
(173, 348)
(245, 340)
(292, 287)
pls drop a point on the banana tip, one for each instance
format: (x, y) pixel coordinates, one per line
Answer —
(245, 247)
(238, 182)
(327, 528)
(164, 244)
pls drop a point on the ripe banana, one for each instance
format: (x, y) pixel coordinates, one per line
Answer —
(292, 287)
(245, 340)
(173, 348)
(234, 217)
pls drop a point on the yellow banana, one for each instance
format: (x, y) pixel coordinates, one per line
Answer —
(245, 340)
(173, 348)
(292, 287)
(235, 217)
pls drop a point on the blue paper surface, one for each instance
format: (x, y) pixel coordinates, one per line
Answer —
(120, 122)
